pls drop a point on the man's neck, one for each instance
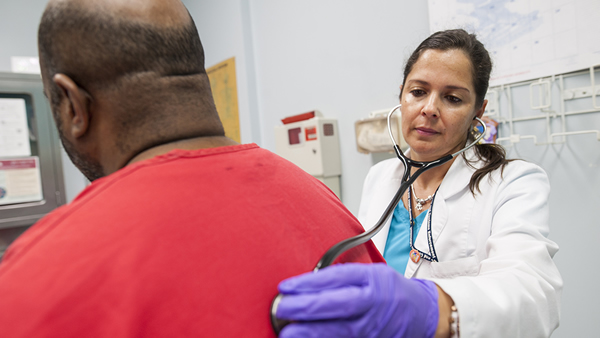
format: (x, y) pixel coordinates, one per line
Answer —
(185, 144)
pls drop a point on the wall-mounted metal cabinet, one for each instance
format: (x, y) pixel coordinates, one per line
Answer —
(31, 177)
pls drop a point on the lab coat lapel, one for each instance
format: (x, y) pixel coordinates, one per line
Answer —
(456, 180)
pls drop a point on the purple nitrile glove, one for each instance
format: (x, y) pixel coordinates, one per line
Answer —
(358, 300)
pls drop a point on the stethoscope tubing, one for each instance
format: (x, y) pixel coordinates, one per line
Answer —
(407, 179)
(349, 243)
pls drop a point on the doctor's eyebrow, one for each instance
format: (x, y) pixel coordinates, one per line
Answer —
(425, 83)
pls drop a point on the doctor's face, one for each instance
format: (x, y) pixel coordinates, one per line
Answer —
(438, 104)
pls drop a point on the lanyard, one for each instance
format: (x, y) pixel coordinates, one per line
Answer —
(416, 254)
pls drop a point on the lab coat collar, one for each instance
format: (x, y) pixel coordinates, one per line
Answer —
(456, 180)
(458, 176)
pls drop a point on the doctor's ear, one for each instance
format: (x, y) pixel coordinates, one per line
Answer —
(481, 110)
(76, 115)
(400, 95)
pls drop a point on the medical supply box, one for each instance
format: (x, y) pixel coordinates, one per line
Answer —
(311, 142)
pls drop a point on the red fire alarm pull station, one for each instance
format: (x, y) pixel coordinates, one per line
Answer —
(311, 133)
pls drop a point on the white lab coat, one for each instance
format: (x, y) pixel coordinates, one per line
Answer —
(495, 259)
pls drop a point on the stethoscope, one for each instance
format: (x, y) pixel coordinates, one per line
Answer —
(407, 180)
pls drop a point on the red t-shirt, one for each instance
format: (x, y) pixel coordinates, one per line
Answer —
(187, 244)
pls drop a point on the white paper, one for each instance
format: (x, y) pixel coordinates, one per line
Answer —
(20, 180)
(14, 133)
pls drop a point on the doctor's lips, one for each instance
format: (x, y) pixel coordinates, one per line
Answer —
(425, 131)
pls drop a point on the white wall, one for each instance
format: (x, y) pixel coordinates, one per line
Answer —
(225, 32)
(341, 57)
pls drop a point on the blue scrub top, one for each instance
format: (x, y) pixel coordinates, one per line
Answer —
(397, 246)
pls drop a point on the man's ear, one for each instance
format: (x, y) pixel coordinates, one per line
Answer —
(77, 119)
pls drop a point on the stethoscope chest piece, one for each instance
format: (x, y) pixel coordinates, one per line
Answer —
(277, 323)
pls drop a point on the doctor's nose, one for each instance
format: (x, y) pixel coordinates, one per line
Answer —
(431, 107)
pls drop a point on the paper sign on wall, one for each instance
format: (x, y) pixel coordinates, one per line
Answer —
(14, 133)
(20, 180)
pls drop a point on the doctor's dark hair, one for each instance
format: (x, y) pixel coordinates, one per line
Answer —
(493, 155)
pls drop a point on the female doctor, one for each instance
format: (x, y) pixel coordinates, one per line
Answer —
(479, 263)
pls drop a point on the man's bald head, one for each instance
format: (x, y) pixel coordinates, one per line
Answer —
(97, 43)
(137, 69)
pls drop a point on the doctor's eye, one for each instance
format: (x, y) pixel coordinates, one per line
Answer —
(453, 99)
(417, 92)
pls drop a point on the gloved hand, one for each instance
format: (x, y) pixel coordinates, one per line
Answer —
(358, 300)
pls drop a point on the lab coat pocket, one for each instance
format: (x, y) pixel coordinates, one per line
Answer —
(468, 266)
